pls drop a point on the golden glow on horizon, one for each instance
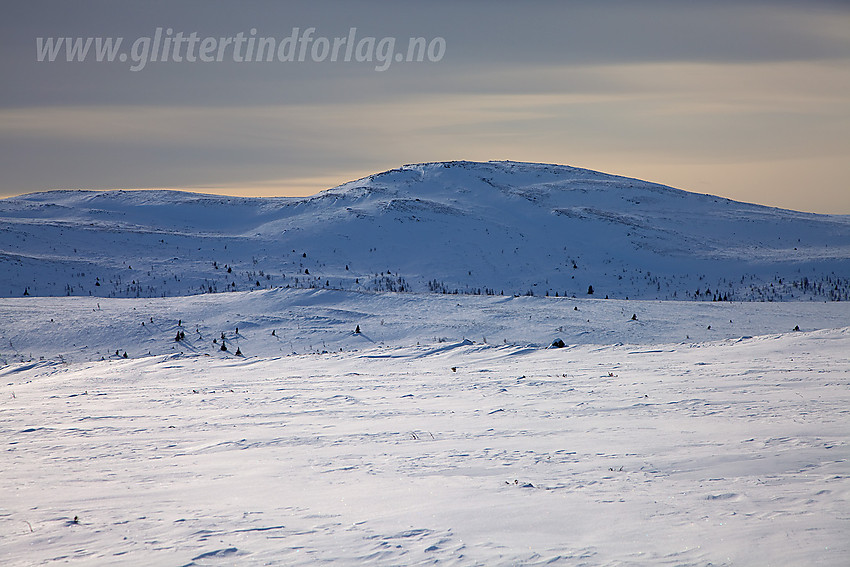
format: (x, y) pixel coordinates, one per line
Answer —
(731, 181)
(771, 133)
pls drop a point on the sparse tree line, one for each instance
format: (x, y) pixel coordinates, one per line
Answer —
(305, 272)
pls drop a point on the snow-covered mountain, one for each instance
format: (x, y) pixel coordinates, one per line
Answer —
(490, 228)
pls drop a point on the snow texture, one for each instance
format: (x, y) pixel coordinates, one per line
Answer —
(730, 452)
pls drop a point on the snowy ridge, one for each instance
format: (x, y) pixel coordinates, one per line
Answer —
(475, 228)
(283, 322)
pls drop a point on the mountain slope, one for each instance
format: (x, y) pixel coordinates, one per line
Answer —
(497, 227)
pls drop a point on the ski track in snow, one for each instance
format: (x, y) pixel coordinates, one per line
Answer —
(722, 451)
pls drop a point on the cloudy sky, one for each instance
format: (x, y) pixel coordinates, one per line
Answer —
(749, 100)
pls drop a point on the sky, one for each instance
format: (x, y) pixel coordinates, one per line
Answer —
(747, 100)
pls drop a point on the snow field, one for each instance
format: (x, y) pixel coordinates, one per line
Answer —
(720, 453)
(79, 329)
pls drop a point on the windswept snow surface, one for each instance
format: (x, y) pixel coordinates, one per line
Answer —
(75, 329)
(467, 227)
(418, 443)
